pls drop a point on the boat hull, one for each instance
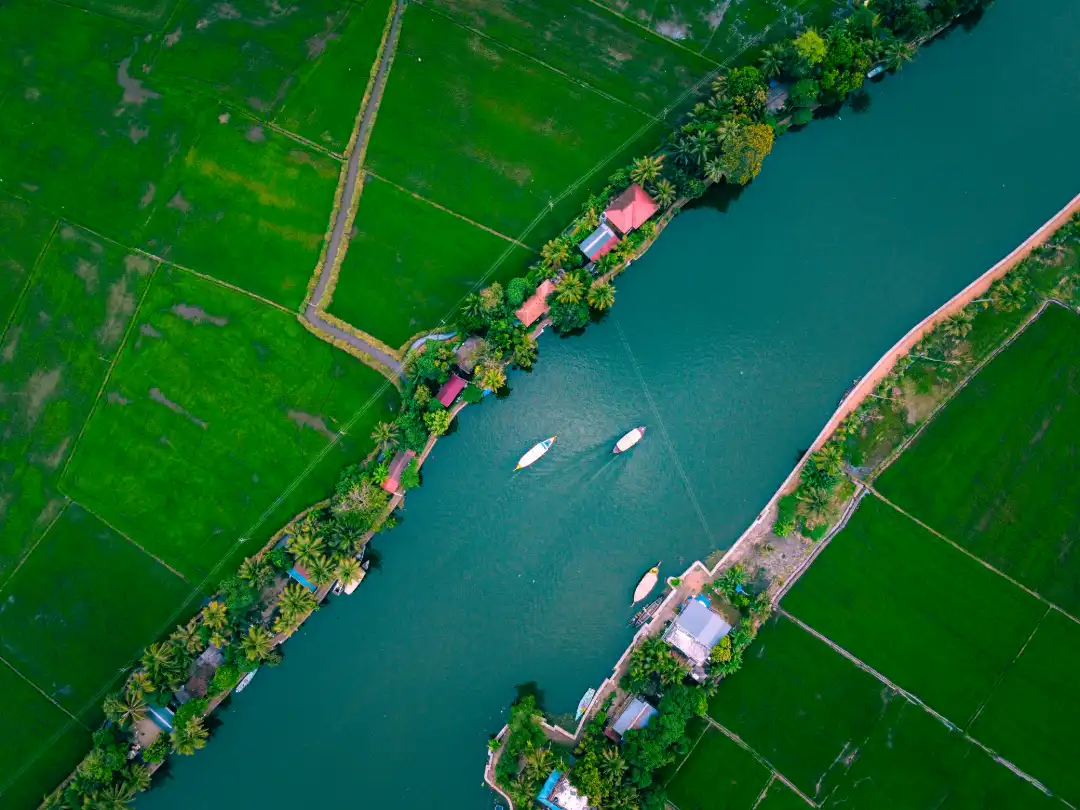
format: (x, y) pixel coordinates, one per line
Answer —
(535, 453)
(647, 583)
(629, 440)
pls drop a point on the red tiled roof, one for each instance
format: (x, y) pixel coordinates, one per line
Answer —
(631, 209)
(450, 389)
(397, 467)
(600, 242)
(536, 304)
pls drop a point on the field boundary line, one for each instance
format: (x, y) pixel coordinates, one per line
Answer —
(652, 33)
(761, 796)
(917, 701)
(105, 381)
(452, 213)
(700, 737)
(24, 291)
(973, 556)
(573, 79)
(35, 544)
(43, 693)
(124, 535)
(1005, 671)
(739, 741)
(137, 28)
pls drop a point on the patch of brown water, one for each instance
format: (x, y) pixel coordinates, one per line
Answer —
(88, 272)
(70, 234)
(158, 396)
(148, 196)
(134, 92)
(116, 398)
(11, 345)
(39, 389)
(197, 315)
(716, 16)
(178, 203)
(119, 307)
(317, 423)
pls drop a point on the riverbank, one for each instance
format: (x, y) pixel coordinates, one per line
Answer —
(1033, 265)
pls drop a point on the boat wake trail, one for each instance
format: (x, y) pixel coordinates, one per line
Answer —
(663, 430)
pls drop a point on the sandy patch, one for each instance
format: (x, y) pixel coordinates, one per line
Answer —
(88, 272)
(49, 513)
(178, 203)
(479, 46)
(70, 234)
(303, 420)
(197, 315)
(119, 307)
(918, 406)
(146, 330)
(148, 195)
(157, 396)
(224, 118)
(136, 263)
(716, 16)
(220, 11)
(137, 133)
(174, 37)
(7, 354)
(134, 92)
(116, 398)
(672, 29)
(255, 134)
(39, 389)
(53, 460)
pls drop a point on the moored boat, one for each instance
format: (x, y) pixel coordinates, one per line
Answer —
(240, 687)
(646, 612)
(583, 704)
(535, 452)
(647, 583)
(629, 440)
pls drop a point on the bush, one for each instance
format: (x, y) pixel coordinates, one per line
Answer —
(226, 677)
(410, 476)
(785, 515)
(472, 395)
(818, 532)
(279, 559)
(158, 750)
(517, 291)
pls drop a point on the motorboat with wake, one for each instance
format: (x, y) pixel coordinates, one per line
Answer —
(629, 440)
(647, 583)
(535, 453)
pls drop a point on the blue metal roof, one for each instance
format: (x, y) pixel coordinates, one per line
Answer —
(162, 717)
(702, 623)
(299, 577)
(636, 715)
(545, 791)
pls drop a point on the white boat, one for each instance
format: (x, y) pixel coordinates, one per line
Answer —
(535, 452)
(629, 440)
(240, 687)
(647, 583)
(584, 703)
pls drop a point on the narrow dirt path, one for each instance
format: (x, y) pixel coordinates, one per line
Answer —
(348, 194)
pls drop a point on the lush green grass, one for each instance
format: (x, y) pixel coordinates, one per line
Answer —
(210, 415)
(695, 727)
(24, 230)
(58, 349)
(998, 471)
(149, 13)
(249, 206)
(248, 52)
(1032, 718)
(588, 42)
(323, 106)
(718, 775)
(38, 743)
(82, 578)
(488, 133)
(748, 27)
(917, 763)
(924, 614)
(76, 141)
(800, 705)
(409, 264)
(780, 797)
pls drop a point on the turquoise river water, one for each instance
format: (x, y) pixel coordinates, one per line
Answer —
(733, 339)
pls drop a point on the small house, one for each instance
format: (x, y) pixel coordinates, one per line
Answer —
(696, 630)
(630, 210)
(637, 714)
(300, 574)
(450, 389)
(397, 467)
(600, 242)
(536, 304)
(558, 794)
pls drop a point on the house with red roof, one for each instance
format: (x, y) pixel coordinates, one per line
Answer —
(536, 304)
(397, 467)
(630, 210)
(450, 389)
(600, 242)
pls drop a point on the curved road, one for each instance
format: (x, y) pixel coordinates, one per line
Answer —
(348, 194)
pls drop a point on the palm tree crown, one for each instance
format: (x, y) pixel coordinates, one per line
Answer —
(602, 296)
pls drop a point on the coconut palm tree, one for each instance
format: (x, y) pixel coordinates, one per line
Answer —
(602, 296)
(612, 766)
(159, 661)
(771, 63)
(701, 145)
(684, 151)
(322, 570)
(124, 709)
(305, 547)
(219, 640)
(215, 615)
(957, 326)
(140, 684)
(719, 85)
(555, 253)
(538, 762)
(715, 170)
(257, 644)
(829, 460)
(349, 570)
(623, 799)
(112, 797)
(570, 290)
(897, 53)
(1009, 293)
(646, 169)
(520, 791)
(384, 435)
(257, 572)
(296, 602)
(137, 778)
(814, 504)
(186, 637)
(665, 192)
(472, 307)
(190, 737)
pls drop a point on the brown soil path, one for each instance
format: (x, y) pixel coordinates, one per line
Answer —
(338, 241)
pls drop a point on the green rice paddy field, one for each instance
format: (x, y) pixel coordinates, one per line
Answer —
(907, 670)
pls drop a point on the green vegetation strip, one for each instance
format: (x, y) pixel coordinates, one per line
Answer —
(933, 620)
(780, 797)
(1032, 718)
(719, 775)
(998, 471)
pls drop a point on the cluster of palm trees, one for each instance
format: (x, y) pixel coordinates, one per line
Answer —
(577, 287)
(329, 556)
(823, 471)
(132, 779)
(654, 659)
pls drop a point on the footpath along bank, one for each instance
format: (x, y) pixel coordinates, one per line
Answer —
(162, 706)
(858, 442)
